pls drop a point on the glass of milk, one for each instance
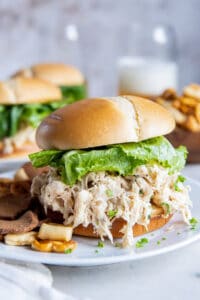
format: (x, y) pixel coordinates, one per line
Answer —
(148, 64)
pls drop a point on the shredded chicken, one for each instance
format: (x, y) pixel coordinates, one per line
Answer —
(26, 134)
(100, 198)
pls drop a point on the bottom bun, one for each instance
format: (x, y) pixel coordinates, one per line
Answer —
(24, 150)
(155, 223)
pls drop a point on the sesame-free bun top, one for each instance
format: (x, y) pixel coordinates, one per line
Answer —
(103, 121)
(28, 90)
(58, 74)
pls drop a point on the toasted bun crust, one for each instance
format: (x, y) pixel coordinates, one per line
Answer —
(59, 74)
(23, 151)
(28, 90)
(103, 121)
(155, 223)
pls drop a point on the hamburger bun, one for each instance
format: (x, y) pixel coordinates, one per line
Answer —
(28, 90)
(157, 221)
(24, 150)
(103, 121)
(58, 74)
(154, 224)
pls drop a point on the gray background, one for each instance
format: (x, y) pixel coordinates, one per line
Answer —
(34, 30)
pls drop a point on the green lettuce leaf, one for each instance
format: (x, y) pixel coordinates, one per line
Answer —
(122, 158)
(15, 113)
(45, 158)
(157, 150)
(4, 117)
(78, 92)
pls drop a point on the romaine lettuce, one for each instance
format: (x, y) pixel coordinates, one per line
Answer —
(121, 158)
(77, 91)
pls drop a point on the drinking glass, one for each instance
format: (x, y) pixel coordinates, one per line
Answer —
(147, 64)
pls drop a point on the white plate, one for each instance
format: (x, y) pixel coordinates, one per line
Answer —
(177, 235)
(8, 164)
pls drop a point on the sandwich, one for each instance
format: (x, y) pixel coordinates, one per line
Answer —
(69, 78)
(28, 97)
(111, 172)
(24, 102)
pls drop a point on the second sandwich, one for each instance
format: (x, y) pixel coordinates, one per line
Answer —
(30, 96)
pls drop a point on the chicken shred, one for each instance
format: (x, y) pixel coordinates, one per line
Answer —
(100, 198)
(25, 134)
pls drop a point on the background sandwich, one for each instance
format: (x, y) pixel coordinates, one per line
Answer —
(70, 79)
(24, 102)
(111, 173)
(28, 97)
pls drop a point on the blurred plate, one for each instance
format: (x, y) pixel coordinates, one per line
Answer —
(172, 236)
(9, 164)
(191, 140)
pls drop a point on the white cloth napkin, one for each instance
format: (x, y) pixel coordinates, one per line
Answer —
(26, 281)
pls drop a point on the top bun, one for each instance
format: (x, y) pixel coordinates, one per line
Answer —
(103, 121)
(28, 90)
(59, 74)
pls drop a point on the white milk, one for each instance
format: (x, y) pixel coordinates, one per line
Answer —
(146, 76)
